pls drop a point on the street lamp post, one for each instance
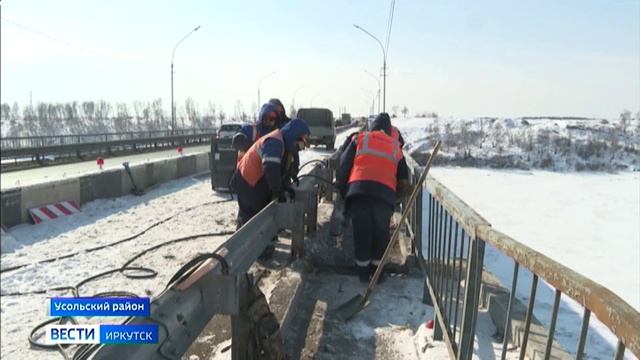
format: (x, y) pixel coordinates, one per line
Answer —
(173, 107)
(384, 66)
(378, 80)
(260, 82)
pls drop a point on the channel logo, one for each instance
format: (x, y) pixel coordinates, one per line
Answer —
(102, 334)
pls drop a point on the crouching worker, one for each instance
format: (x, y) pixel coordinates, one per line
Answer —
(372, 171)
(262, 171)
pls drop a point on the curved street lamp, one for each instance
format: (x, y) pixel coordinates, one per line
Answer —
(173, 106)
(384, 66)
(376, 78)
(260, 82)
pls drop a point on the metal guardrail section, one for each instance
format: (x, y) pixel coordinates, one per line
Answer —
(79, 149)
(453, 264)
(183, 310)
(55, 140)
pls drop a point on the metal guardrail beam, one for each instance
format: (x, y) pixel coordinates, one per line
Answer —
(72, 149)
(184, 309)
(20, 142)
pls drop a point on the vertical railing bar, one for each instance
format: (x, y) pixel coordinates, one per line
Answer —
(432, 225)
(441, 269)
(419, 214)
(583, 333)
(619, 351)
(454, 283)
(448, 283)
(436, 283)
(479, 268)
(552, 324)
(512, 296)
(459, 280)
(527, 322)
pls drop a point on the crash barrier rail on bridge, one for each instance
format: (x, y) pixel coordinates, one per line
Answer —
(453, 265)
(220, 285)
(82, 149)
(16, 200)
(57, 140)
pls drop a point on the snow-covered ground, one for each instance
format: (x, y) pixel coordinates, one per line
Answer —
(550, 144)
(101, 222)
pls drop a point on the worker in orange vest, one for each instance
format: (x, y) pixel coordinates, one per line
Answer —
(371, 173)
(250, 133)
(261, 174)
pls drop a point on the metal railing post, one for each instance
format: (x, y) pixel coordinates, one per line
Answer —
(473, 280)
(241, 323)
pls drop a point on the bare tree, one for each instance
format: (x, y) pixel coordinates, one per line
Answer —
(191, 108)
(238, 109)
(122, 118)
(625, 120)
(405, 111)
(498, 134)
(158, 114)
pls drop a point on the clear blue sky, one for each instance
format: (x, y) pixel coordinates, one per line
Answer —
(458, 58)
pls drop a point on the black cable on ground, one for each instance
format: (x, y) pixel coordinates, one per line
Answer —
(131, 272)
(16, 267)
(182, 273)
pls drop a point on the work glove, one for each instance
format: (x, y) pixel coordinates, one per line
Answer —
(286, 195)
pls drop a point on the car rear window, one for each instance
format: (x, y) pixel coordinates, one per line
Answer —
(230, 127)
(316, 117)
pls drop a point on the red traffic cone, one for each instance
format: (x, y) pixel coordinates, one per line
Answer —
(429, 324)
(180, 150)
(100, 162)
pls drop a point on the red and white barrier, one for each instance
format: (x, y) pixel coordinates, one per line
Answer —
(53, 211)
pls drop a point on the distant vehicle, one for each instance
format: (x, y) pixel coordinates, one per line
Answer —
(321, 124)
(346, 118)
(228, 130)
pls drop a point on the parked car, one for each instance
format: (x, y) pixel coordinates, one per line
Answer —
(228, 130)
(321, 124)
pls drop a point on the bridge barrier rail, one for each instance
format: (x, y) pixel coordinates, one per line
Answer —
(20, 142)
(452, 260)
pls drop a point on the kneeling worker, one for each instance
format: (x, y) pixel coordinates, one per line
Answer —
(372, 171)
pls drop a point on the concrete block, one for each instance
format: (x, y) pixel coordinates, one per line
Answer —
(108, 184)
(186, 165)
(86, 188)
(202, 162)
(165, 170)
(47, 193)
(138, 172)
(11, 207)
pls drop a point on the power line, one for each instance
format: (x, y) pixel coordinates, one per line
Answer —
(390, 23)
(52, 38)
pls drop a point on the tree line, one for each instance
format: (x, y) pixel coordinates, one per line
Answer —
(85, 117)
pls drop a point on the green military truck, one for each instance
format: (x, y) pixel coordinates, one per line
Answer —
(321, 124)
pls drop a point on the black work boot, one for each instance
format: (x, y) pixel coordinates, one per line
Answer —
(363, 273)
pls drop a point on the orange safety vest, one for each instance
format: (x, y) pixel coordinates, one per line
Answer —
(377, 158)
(254, 136)
(250, 166)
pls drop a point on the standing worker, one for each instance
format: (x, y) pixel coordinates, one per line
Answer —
(282, 114)
(262, 171)
(250, 133)
(371, 173)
